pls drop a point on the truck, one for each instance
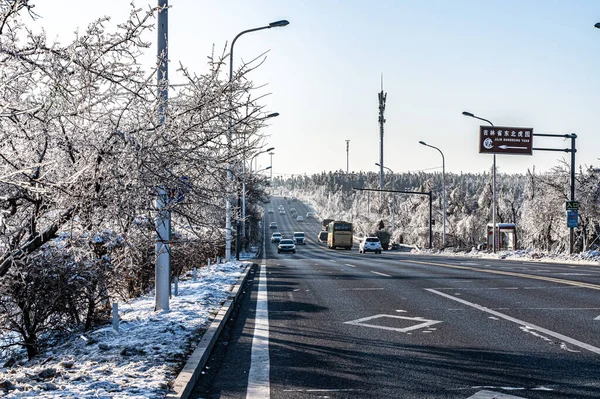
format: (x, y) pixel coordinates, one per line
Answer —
(325, 223)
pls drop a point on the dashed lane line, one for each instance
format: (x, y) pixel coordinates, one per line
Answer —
(380, 274)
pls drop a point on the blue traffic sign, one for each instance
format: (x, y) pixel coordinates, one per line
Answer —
(572, 219)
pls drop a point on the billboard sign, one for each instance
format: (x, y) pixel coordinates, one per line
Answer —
(505, 140)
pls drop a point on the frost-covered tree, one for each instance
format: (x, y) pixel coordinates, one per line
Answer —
(82, 153)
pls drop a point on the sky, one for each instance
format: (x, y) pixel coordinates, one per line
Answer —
(516, 63)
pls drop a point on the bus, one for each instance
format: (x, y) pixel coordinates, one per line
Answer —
(339, 234)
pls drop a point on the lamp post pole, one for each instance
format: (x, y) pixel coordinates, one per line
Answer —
(465, 113)
(162, 268)
(271, 167)
(394, 197)
(229, 136)
(443, 187)
(243, 233)
(244, 183)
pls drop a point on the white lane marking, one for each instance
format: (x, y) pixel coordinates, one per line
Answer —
(258, 375)
(322, 390)
(348, 264)
(422, 322)
(493, 395)
(381, 274)
(359, 289)
(529, 326)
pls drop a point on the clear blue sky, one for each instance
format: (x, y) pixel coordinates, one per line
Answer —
(518, 63)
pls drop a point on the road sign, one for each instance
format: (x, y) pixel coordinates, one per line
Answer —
(505, 140)
(572, 219)
(572, 205)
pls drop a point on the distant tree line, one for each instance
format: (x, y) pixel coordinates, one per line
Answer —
(534, 201)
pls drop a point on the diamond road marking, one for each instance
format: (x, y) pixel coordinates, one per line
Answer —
(493, 395)
(422, 322)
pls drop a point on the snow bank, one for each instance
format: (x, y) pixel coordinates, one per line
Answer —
(140, 360)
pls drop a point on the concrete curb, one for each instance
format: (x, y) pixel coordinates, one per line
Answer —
(187, 378)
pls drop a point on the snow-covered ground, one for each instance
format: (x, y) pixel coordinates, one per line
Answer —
(140, 360)
(587, 257)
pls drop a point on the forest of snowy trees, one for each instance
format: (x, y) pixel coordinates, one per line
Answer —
(82, 155)
(534, 201)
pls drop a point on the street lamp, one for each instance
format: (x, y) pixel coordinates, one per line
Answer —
(273, 115)
(257, 154)
(378, 165)
(271, 167)
(465, 113)
(443, 186)
(229, 175)
(597, 25)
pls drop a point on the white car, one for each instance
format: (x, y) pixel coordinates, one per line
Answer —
(299, 238)
(276, 237)
(370, 244)
(281, 212)
(310, 215)
(299, 219)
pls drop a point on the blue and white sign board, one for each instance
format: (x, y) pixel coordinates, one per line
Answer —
(572, 219)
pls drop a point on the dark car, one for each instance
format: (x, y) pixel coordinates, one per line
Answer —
(286, 245)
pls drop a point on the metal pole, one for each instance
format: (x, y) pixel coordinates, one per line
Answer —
(573, 150)
(444, 193)
(271, 154)
(443, 185)
(469, 114)
(430, 222)
(347, 156)
(229, 135)
(163, 217)
(494, 210)
(382, 98)
(237, 235)
(243, 236)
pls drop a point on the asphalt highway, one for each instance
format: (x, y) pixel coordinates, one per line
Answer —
(338, 324)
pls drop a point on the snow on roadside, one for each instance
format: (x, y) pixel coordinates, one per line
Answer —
(138, 361)
(587, 257)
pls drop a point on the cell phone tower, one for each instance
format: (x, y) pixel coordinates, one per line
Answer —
(382, 98)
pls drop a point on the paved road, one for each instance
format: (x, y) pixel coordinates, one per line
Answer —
(344, 325)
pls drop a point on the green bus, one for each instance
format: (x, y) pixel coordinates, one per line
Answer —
(339, 234)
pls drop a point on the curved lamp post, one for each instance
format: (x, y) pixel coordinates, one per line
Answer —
(443, 186)
(465, 113)
(385, 167)
(243, 233)
(229, 174)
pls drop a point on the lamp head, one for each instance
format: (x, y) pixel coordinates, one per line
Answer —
(465, 113)
(422, 142)
(268, 167)
(377, 164)
(277, 24)
(597, 25)
(273, 115)
(269, 149)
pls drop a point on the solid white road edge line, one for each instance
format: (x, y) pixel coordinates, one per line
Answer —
(258, 375)
(564, 338)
